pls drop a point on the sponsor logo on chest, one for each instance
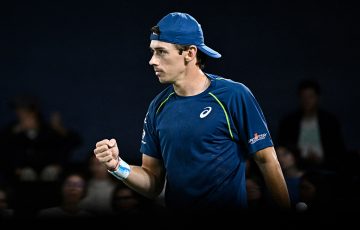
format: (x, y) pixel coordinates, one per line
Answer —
(205, 112)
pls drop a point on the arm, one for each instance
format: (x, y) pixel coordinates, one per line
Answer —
(147, 179)
(270, 168)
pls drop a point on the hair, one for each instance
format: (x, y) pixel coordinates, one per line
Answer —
(200, 56)
(309, 84)
(155, 30)
(24, 101)
(28, 102)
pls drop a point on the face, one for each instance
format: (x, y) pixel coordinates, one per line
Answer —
(309, 100)
(168, 64)
(74, 188)
(27, 118)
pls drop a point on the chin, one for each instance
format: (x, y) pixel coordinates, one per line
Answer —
(164, 81)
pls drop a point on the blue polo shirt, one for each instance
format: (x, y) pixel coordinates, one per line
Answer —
(204, 141)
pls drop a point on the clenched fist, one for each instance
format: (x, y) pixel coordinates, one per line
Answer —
(107, 152)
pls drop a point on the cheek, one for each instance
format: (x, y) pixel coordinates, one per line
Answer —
(173, 63)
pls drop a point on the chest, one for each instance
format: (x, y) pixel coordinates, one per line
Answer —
(192, 120)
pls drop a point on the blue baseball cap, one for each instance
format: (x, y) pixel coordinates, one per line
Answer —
(182, 29)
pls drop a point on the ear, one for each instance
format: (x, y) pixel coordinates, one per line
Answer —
(191, 54)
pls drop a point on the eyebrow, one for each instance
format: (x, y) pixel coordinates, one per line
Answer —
(158, 48)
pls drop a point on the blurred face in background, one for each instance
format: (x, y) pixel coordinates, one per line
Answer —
(3, 200)
(73, 189)
(309, 100)
(28, 119)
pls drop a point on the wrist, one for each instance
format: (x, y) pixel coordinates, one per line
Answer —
(121, 171)
(116, 166)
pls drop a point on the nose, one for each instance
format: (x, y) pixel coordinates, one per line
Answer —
(153, 61)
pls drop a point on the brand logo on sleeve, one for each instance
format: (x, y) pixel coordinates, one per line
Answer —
(257, 137)
(206, 112)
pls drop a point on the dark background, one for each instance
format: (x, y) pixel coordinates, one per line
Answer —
(89, 60)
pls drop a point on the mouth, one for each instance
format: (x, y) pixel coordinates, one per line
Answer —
(158, 72)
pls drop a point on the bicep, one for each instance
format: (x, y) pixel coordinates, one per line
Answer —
(266, 155)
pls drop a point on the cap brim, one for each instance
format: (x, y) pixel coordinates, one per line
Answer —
(208, 51)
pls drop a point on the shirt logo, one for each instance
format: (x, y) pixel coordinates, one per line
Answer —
(206, 112)
(257, 138)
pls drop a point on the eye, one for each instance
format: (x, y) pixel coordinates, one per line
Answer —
(160, 52)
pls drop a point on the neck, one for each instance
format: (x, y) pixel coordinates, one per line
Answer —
(192, 83)
(310, 114)
(70, 207)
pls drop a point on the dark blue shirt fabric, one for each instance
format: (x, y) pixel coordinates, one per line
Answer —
(204, 141)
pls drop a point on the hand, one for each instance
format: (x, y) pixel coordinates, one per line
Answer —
(107, 152)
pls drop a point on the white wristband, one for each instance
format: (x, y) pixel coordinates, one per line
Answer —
(122, 171)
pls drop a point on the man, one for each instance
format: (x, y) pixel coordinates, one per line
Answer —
(313, 130)
(198, 132)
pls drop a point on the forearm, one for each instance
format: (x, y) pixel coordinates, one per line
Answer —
(147, 180)
(275, 183)
(144, 182)
(269, 166)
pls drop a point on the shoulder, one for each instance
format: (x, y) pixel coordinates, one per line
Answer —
(327, 117)
(227, 82)
(160, 98)
(49, 212)
(229, 86)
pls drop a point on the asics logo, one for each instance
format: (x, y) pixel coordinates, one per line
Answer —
(206, 112)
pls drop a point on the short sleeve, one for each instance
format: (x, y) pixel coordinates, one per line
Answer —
(250, 121)
(150, 141)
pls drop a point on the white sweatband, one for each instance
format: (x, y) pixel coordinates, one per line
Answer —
(122, 171)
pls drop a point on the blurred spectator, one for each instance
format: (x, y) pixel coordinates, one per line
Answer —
(5, 211)
(257, 201)
(319, 193)
(70, 139)
(100, 189)
(39, 149)
(73, 190)
(127, 202)
(316, 132)
(257, 197)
